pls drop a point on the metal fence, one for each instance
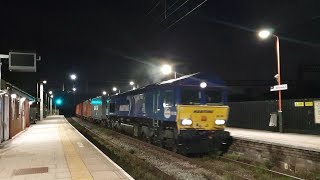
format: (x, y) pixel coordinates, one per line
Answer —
(298, 115)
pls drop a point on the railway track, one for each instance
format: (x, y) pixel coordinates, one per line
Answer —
(178, 166)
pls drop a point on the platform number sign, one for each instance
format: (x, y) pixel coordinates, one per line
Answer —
(316, 105)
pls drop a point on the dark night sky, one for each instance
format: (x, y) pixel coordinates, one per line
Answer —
(111, 42)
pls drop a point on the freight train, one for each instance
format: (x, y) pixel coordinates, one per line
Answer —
(186, 115)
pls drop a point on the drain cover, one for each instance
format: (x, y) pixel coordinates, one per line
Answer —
(38, 170)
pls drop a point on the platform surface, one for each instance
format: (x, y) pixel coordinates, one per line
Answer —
(299, 141)
(53, 149)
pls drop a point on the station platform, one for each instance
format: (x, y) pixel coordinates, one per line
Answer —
(291, 140)
(53, 149)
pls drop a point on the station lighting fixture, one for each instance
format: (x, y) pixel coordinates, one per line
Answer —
(44, 82)
(166, 69)
(50, 92)
(104, 93)
(263, 34)
(74, 89)
(13, 96)
(131, 83)
(114, 89)
(73, 77)
(51, 96)
(203, 84)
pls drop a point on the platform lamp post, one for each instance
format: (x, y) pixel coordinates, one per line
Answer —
(133, 85)
(104, 106)
(51, 97)
(73, 77)
(41, 98)
(264, 34)
(74, 92)
(115, 89)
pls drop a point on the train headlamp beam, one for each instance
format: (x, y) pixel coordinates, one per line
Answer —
(220, 122)
(186, 122)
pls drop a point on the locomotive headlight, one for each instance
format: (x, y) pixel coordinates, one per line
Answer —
(186, 122)
(220, 122)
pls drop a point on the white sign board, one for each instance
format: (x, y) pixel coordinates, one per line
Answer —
(124, 107)
(279, 87)
(316, 105)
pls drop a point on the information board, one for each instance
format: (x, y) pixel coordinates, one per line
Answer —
(23, 62)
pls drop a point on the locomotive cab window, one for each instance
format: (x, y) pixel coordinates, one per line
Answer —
(190, 96)
(168, 98)
(112, 107)
(214, 97)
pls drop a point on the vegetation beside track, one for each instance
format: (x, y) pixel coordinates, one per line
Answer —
(134, 166)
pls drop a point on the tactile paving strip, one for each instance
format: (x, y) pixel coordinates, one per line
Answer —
(38, 170)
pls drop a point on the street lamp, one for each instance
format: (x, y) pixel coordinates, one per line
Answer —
(51, 96)
(40, 97)
(73, 77)
(74, 89)
(114, 89)
(50, 92)
(264, 34)
(104, 93)
(203, 85)
(167, 69)
(132, 84)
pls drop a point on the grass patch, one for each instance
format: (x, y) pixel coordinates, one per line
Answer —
(313, 174)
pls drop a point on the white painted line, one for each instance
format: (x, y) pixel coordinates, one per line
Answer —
(117, 166)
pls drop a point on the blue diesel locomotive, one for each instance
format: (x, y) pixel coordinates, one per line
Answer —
(185, 115)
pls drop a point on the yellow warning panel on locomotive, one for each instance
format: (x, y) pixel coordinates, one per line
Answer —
(201, 117)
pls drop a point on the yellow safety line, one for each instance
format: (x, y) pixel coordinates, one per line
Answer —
(76, 166)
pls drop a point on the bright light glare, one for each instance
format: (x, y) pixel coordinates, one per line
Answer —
(166, 69)
(220, 122)
(73, 77)
(44, 82)
(186, 122)
(263, 34)
(13, 96)
(51, 96)
(50, 92)
(31, 102)
(203, 84)
(131, 83)
(104, 92)
(59, 101)
(22, 99)
(114, 89)
(74, 89)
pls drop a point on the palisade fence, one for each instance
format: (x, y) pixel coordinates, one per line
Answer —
(298, 115)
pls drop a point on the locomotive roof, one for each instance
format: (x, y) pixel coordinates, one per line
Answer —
(190, 79)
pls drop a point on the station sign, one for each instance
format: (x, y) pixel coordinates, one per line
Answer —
(280, 87)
